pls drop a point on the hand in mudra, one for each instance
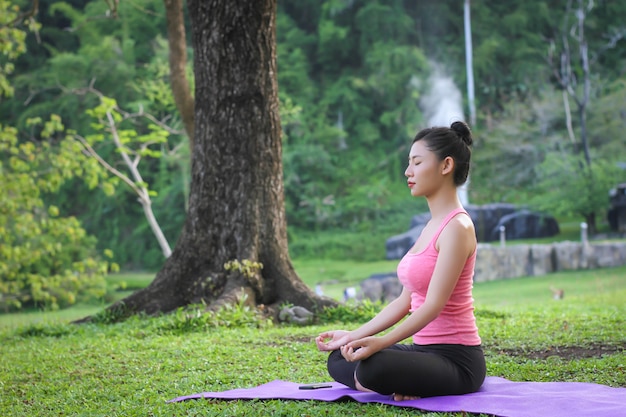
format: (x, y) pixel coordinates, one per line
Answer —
(358, 350)
(332, 340)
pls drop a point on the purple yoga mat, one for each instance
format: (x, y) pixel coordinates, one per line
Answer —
(498, 396)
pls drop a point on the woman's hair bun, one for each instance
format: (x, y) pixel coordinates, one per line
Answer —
(463, 131)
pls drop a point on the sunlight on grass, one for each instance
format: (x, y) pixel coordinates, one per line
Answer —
(537, 290)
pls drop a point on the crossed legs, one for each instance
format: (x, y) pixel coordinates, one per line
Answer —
(411, 371)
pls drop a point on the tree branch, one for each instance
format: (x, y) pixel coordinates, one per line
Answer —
(26, 15)
(106, 165)
(127, 115)
(178, 63)
(112, 4)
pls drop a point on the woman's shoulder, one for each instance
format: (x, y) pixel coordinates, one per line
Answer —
(458, 231)
(463, 220)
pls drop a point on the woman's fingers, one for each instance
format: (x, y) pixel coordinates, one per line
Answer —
(349, 353)
(337, 339)
(357, 350)
(324, 345)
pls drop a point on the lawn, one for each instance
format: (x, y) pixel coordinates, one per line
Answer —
(49, 368)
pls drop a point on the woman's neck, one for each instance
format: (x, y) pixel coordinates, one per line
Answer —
(443, 203)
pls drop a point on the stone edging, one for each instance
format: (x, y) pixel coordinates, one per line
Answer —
(495, 262)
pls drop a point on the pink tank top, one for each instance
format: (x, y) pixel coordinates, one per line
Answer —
(456, 323)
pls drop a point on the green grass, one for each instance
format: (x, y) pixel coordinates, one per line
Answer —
(133, 368)
(131, 280)
(536, 291)
(125, 282)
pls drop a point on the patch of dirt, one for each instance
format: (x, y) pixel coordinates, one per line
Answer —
(566, 352)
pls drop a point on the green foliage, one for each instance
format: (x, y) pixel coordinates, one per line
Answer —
(352, 125)
(246, 267)
(49, 260)
(360, 239)
(505, 156)
(568, 186)
(606, 121)
(12, 42)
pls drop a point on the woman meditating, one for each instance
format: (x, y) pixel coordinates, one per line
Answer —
(436, 302)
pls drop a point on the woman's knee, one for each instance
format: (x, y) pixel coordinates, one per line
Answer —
(334, 359)
(371, 375)
(341, 370)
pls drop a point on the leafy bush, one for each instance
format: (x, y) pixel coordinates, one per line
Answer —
(567, 186)
(48, 260)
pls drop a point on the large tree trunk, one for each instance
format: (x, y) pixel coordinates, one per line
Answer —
(236, 205)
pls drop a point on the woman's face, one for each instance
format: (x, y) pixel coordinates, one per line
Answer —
(424, 171)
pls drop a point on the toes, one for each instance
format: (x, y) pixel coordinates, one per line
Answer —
(400, 397)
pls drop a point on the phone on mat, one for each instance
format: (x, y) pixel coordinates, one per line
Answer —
(315, 386)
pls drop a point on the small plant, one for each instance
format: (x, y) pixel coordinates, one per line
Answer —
(246, 267)
(196, 318)
(47, 330)
(112, 315)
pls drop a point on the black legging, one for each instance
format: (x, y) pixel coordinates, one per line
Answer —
(419, 370)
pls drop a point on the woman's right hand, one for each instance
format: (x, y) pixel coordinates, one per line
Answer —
(337, 338)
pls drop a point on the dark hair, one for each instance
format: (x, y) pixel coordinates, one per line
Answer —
(454, 141)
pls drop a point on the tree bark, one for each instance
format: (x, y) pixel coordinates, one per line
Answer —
(236, 205)
(584, 64)
(177, 41)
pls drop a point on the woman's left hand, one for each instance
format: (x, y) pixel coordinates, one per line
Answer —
(358, 350)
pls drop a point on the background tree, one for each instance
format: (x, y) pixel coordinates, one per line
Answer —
(564, 176)
(46, 259)
(236, 212)
(570, 60)
(572, 68)
(87, 46)
(131, 146)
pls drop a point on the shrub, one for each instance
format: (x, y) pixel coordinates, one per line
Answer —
(47, 260)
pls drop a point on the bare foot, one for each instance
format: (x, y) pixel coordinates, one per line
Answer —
(400, 397)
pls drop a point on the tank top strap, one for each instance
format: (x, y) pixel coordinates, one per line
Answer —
(443, 224)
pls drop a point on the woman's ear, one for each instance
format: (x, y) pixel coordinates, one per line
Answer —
(447, 165)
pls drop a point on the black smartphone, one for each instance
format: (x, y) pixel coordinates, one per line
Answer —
(315, 386)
